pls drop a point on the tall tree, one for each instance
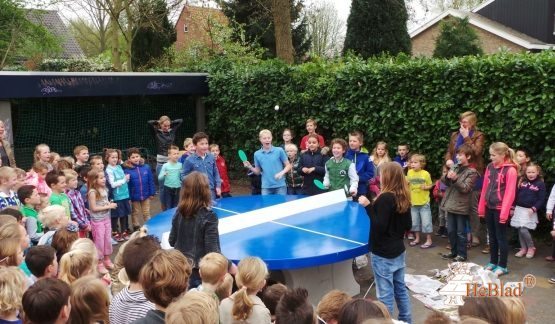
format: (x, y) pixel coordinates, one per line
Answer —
(457, 38)
(90, 27)
(153, 37)
(377, 26)
(325, 29)
(281, 11)
(20, 38)
(257, 24)
(442, 5)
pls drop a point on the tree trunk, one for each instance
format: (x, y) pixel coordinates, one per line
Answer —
(281, 11)
(114, 10)
(115, 48)
(129, 34)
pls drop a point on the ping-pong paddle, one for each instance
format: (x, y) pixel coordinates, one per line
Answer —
(242, 156)
(319, 184)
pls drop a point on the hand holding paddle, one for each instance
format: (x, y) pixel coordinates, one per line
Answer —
(319, 184)
(244, 159)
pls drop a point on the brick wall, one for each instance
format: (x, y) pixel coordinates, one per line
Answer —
(423, 44)
(199, 21)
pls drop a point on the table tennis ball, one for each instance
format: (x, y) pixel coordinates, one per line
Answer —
(276, 108)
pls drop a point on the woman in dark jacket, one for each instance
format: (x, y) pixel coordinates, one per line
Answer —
(6, 153)
(194, 229)
(163, 131)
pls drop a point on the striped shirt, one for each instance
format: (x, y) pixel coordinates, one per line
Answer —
(128, 306)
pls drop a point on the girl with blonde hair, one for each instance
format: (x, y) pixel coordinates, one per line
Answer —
(11, 253)
(74, 265)
(42, 154)
(496, 202)
(89, 301)
(244, 306)
(390, 219)
(12, 287)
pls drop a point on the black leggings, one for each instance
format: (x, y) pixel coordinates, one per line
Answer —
(119, 224)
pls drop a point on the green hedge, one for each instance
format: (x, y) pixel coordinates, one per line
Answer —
(393, 99)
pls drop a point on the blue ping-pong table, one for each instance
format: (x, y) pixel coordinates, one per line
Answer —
(313, 249)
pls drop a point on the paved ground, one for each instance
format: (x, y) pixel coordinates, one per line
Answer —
(538, 300)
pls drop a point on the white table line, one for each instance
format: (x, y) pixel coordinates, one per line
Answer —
(267, 214)
(226, 210)
(316, 232)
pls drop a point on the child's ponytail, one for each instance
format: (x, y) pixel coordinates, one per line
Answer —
(251, 277)
(242, 305)
(512, 158)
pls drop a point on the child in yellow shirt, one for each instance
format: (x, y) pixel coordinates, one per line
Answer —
(420, 184)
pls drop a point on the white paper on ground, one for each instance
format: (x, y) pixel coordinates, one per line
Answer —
(423, 285)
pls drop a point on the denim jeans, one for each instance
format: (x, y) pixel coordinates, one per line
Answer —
(169, 197)
(499, 247)
(421, 219)
(274, 191)
(294, 191)
(390, 284)
(160, 184)
(456, 225)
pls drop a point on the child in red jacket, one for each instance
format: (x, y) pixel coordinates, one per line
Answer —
(222, 169)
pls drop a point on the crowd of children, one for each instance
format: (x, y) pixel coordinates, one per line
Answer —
(66, 201)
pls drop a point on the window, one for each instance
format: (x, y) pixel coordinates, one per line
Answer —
(186, 28)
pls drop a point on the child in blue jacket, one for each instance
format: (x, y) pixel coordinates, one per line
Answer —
(141, 186)
(365, 169)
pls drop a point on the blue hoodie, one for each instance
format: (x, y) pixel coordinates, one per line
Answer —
(365, 169)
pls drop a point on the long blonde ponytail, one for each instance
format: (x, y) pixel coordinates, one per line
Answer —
(251, 276)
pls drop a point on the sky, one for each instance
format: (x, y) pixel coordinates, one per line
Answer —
(343, 8)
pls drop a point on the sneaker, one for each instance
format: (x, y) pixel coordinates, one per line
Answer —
(521, 253)
(101, 269)
(410, 236)
(125, 236)
(459, 259)
(118, 238)
(114, 242)
(486, 249)
(500, 271)
(108, 264)
(550, 258)
(440, 231)
(448, 256)
(531, 253)
(551, 280)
